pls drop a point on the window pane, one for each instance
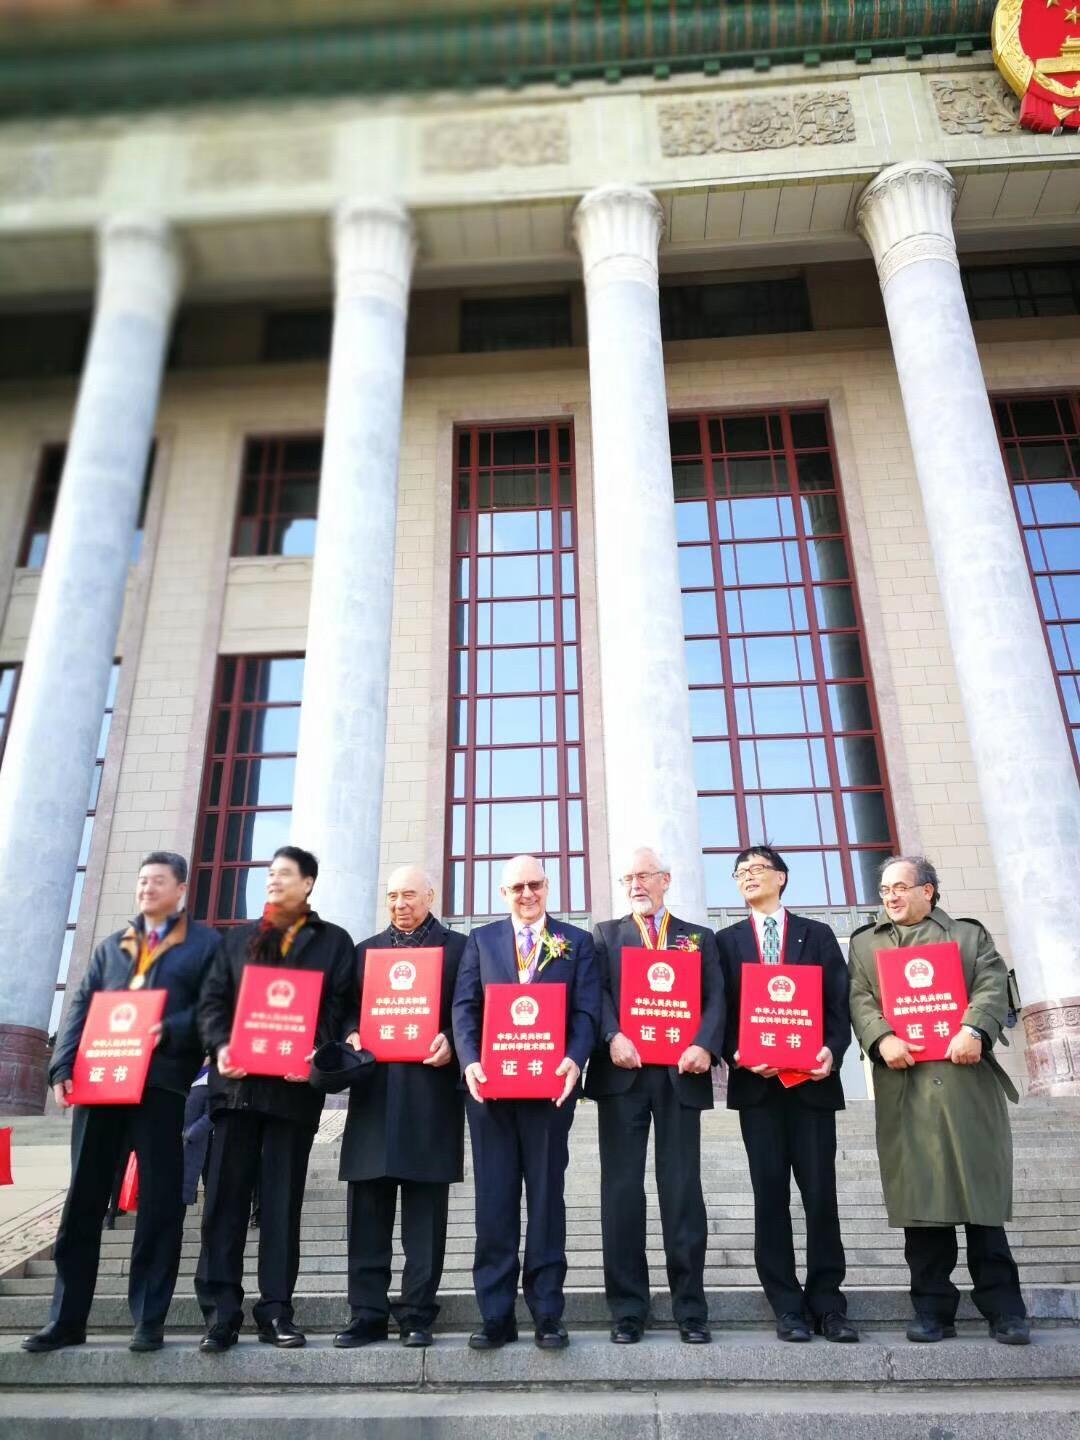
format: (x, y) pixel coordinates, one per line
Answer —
(695, 566)
(857, 760)
(703, 663)
(712, 765)
(849, 707)
(716, 816)
(865, 817)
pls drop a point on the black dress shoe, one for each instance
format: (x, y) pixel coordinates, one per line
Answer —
(417, 1339)
(792, 1326)
(283, 1333)
(361, 1332)
(146, 1338)
(493, 1334)
(836, 1327)
(925, 1330)
(218, 1339)
(1010, 1330)
(53, 1337)
(695, 1332)
(551, 1335)
(627, 1332)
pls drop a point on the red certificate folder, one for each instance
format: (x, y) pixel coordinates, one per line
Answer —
(116, 1047)
(274, 1024)
(524, 1041)
(660, 1002)
(780, 1020)
(399, 1008)
(923, 995)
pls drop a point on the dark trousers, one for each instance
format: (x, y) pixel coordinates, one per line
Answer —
(101, 1136)
(372, 1208)
(931, 1254)
(512, 1141)
(623, 1122)
(249, 1147)
(785, 1138)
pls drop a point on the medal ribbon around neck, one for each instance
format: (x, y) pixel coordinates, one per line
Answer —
(646, 938)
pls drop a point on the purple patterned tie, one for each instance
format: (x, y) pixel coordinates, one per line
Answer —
(525, 948)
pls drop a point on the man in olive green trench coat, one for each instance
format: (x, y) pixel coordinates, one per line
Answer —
(943, 1138)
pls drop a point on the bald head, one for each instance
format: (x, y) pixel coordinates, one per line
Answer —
(409, 897)
(524, 888)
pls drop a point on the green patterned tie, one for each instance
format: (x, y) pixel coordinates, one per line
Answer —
(772, 941)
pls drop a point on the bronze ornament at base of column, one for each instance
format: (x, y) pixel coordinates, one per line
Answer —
(1052, 1030)
(24, 1070)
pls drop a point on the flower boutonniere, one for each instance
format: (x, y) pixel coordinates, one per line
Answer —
(554, 946)
(691, 942)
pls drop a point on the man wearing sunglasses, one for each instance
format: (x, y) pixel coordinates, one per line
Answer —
(790, 1131)
(523, 1140)
(630, 1096)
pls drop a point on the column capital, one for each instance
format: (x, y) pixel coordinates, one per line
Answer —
(617, 229)
(139, 265)
(905, 214)
(374, 245)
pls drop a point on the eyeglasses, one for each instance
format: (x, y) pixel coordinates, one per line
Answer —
(751, 872)
(899, 889)
(524, 885)
(640, 876)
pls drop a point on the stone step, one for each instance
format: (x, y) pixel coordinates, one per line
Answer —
(737, 1357)
(1036, 1411)
(883, 1305)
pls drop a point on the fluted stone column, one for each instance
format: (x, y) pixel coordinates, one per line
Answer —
(49, 761)
(337, 805)
(1026, 776)
(648, 752)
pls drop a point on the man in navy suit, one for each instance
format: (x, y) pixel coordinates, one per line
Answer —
(790, 1131)
(514, 1140)
(631, 1095)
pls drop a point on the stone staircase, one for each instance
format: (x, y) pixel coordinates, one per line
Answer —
(745, 1384)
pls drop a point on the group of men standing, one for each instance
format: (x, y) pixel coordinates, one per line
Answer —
(942, 1127)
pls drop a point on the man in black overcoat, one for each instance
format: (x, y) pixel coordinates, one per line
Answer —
(405, 1132)
(790, 1131)
(630, 1096)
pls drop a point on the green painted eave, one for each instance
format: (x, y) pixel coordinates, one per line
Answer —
(355, 49)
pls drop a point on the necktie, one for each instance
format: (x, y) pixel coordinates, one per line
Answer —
(152, 941)
(650, 921)
(525, 949)
(772, 941)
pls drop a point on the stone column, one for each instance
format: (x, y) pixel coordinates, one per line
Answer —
(49, 761)
(337, 805)
(648, 753)
(1026, 776)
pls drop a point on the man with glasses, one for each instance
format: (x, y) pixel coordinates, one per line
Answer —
(516, 1140)
(943, 1138)
(630, 1095)
(790, 1131)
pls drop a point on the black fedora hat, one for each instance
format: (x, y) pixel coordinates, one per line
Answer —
(336, 1066)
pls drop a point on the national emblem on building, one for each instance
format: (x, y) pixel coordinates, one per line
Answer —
(1037, 50)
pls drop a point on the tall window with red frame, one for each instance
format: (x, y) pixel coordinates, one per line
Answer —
(1040, 437)
(516, 780)
(787, 746)
(247, 783)
(279, 495)
(35, 541)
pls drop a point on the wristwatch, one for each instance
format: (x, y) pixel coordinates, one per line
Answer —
(609, 1036)
(971, 1030)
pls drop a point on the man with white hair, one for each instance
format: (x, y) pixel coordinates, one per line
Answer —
(516, 1140)
(404, 1132)
(630, 1095)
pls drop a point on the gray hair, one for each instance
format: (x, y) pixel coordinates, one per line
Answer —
(925, 874)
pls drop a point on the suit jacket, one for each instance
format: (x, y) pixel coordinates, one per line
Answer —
(490, 958)
(180, 966)
(603, 1077)
(806, 942)
(409, 1123)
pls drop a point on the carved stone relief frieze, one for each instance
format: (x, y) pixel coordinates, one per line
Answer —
(773, 122)
(52, 172)
(975, 105)
(456, 147)
(230, 161)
